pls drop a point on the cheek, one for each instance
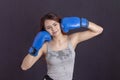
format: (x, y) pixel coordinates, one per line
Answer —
(58, 27)
(49, 31)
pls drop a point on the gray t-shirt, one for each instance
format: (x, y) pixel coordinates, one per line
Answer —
(60, 64)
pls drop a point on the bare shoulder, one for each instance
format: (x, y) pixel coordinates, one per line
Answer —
(44, 48)
(72, 39)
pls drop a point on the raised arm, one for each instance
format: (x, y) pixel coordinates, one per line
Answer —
(93, 30)
(70, 23)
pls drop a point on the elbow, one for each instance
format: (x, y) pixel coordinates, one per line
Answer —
(99, 31)
(24, 68)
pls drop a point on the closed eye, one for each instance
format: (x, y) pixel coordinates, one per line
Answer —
(54, 24)
(48, 27)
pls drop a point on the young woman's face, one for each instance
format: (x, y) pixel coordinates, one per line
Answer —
(52, 27)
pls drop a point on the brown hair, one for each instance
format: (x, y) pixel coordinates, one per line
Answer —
(50, 16)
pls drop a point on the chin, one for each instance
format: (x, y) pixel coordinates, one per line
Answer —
(56, 34)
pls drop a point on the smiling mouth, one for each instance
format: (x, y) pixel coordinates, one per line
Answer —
(55, 32)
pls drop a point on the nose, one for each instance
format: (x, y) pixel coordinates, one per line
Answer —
(53, 28)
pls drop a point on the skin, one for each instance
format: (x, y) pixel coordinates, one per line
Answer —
(59, 38)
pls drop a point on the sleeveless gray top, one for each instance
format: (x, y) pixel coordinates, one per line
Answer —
(60, 64)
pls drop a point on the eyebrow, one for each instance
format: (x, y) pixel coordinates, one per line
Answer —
(52, 24)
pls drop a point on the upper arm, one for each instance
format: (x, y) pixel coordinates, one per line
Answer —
(30, 60)
(93, 30)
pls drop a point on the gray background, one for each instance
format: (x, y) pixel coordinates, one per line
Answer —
(96, 59)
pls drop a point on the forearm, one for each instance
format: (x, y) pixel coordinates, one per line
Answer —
(26, 63)
(69, 23)
(95, 28)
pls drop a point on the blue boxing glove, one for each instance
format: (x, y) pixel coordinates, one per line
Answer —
(69, 23)
(39, 40)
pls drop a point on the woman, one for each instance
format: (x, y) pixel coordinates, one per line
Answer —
(60, 51)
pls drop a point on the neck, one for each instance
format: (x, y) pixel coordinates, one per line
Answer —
(59, 38)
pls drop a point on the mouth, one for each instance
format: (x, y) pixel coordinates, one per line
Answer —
(54, 32)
